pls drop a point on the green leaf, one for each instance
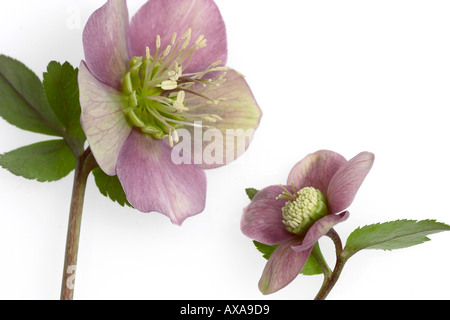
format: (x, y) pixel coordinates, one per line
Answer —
(61, 89)
(310, 268)
(110, 187)
(265, 249)
(44, 161)
(251, 192)
(392, 235)
(22, 99)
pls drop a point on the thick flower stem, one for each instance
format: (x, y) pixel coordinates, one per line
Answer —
(85, 164)
(317, 254)
(341, 259)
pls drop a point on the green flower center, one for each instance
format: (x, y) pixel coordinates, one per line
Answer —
(303, 209)
(158, 91)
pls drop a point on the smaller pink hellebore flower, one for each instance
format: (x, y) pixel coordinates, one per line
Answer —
(146, 81)
(319, 188)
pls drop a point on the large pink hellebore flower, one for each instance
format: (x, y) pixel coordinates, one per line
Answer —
(144, 81)
(319, 188)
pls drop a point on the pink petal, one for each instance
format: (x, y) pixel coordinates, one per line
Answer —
(319, 229)
(152, 182)
(271, 193)
(283, 266)
(165, 17)
(347, 180)
(102, 119)
(316, 170)
(105, 43)
(262, 218)
(241, 117)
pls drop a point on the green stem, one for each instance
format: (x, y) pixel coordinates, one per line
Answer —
(341, 259)
(84, 165)
(317, 254)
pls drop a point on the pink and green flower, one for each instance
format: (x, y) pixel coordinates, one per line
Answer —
(143, 81)
(319, 190)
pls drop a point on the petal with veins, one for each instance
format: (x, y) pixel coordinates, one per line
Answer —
(105, 43)
(316, 170)
(345, 183)
(262, 218)
(152, 182)
(319, 229)
(164, 18)
(239, 115)
(102, 119)
(283, 267)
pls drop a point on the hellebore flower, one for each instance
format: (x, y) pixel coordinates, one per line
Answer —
(143, 81)
(319, 188)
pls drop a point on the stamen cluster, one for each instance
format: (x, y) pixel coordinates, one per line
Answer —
(156, 88)
(303, 209)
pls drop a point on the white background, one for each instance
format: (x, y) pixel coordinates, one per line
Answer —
(349, 76)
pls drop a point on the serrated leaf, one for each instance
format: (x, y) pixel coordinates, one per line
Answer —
(61, 89)
(44, 161)
(110, 187)
(265, 249)
(392, 235)
(22, 99)
(310, 268)
(251, 192)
